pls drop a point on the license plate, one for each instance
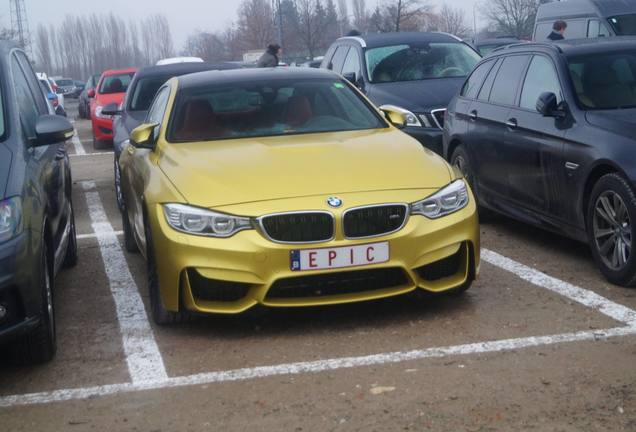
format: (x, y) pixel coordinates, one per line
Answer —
(342, 257)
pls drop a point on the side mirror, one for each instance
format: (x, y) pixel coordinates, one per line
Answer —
(144, 136)
(351, 77)
(111, 109)
(90, 93)
(548, 105)
(394, 115)
(52, 129)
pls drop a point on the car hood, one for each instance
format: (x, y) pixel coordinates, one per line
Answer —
(417, 96)
(622, 122)
(214, 174)
(105, 99)
(5, 167)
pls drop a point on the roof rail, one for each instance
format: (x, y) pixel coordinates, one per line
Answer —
(355, 38)
(530, 44)
(448, 34)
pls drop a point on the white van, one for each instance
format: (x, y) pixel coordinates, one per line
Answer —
(587, 18)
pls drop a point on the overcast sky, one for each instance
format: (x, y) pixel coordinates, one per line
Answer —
(184, 15)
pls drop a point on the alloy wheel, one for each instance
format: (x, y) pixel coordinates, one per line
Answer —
(612, 230)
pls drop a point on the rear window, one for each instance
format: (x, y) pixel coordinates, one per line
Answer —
(115, 83)
(271, 108)
(144, 92)
(624, 25)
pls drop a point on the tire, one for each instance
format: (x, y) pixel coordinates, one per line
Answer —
(129, 238)
(461, 160)
(70, 259)
(118, 193)
(40, 345)
(160, 314)
(611, 226)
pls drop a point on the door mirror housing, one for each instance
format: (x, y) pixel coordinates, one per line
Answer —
(111, 109)
(144, 136)
(52, 129)
(351, 77)
(394, 115)
(90, 93)
(548, 105)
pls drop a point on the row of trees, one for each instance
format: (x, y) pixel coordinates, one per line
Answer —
(83, 45)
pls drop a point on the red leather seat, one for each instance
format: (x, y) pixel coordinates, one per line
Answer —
(298, 110)
(199, 122)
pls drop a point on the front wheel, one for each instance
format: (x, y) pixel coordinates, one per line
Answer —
(461, 161)
(40, 344)
(611, 214)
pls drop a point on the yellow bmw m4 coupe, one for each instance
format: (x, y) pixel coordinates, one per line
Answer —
(288, 188)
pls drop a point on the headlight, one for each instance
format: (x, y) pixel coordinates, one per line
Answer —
(197, 221)
(98, 112)
(10, 218)
(450, 199)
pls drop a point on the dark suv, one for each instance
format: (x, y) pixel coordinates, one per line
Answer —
(37, 224)
(546, 133)
(418, 73)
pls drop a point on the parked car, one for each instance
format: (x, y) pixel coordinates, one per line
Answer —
(545, 134)
(79, 88)
(111, 89)
(234, 166)
(587, 18)
(55, 100)
(66, 86)
(417, 73)
(486, 46)
(53, 88)
(37, 224)
(84, 106)
(139, 96)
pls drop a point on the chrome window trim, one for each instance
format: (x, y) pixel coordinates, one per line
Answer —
(407, 216)
(435, 118)
(263, 231)
(355, 38)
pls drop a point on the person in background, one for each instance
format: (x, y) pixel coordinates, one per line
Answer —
(558, 29)
(354, 32)
(271, 57)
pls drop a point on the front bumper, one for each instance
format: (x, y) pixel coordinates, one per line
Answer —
(210, 275)
(15, 287)
(431, 138)
(102, 128)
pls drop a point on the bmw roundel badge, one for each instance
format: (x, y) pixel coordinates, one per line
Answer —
(334, 202)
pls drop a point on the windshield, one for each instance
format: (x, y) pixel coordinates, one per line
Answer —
(420, 62)
(115, 83)
(65, 82)
(272, 108)
(144, 92)
(605, 80)
(624, 25)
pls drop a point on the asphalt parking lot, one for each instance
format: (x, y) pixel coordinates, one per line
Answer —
(540, 342)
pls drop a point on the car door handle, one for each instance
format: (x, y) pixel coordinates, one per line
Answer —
(512, 123)
(473, 115)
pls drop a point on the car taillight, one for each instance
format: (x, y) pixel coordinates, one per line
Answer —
(55, 102)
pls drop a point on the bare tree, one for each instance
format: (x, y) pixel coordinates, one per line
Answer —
(256, 23)
(43, 48)
(453, 20)
(360, 15)
(402, 15)
(512, 17)
(312, 25)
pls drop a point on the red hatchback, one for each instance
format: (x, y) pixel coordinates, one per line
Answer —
(111, 88)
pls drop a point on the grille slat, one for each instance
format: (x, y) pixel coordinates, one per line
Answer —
(299, 227)
(216, 290)
(331, 284)
(438, 115)
(374, 221)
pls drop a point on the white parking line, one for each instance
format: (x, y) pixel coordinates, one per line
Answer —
(142, 353)
(125, 292)
(93, 154)
(79, 148)
(312, 367)
(94, 235)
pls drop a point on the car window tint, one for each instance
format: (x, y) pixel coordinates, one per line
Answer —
(26, 103)
(596, 28)
(504, 90)
(112, 84)
(541, 78)
(484, 93)
(577, 29)
(158, 109)
(339, 57)
(352, 63)
(144, 92)
(34, 84)
(474, 82)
